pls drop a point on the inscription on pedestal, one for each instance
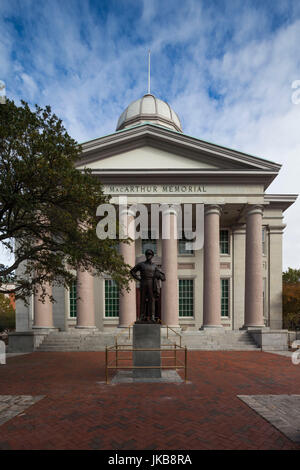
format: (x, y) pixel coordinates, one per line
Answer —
(146, 336)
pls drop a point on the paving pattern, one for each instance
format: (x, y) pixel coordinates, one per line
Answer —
(79, 411)
(283, 411)
(13, 405)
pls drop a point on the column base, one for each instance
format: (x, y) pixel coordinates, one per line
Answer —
(82, 328)
(255, 327)
(212, 327)
(44, 328)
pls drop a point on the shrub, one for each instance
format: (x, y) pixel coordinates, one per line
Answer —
(291, 321)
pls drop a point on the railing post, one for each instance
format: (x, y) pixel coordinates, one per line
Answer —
(185, 363)
(106, 361)
(116, 353)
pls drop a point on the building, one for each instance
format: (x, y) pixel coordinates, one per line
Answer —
(233, 282)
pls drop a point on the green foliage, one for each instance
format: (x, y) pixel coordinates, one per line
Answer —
(291, 321)
(291, 275)
(48, 206)
(291, 299)
(7, 314)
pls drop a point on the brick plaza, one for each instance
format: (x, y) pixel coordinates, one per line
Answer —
(79, 411)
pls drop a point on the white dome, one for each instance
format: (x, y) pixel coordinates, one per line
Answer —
(149, 109)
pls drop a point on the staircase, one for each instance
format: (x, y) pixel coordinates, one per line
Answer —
(194, 340)
(224, 340)
(73, 341)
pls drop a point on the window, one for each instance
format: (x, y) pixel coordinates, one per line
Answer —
(224, 242)
(224, 297)
(72, 296)
(182, 248)
(265, 313)
(186, 297)
(264, 240)
(111, 298)
(149, 245)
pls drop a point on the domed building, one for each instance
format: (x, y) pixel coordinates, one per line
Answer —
(227, 280)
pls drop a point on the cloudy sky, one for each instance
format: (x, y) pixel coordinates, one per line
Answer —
(227, 68)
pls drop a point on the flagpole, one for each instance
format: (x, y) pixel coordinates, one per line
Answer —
(149, 72)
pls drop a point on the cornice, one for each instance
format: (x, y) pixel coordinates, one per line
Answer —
(183, 175)
(148, 134)
(280, 201)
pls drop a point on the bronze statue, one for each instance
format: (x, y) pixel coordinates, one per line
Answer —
(149, 279)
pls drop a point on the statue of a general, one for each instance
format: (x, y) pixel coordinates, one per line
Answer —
(149, 279)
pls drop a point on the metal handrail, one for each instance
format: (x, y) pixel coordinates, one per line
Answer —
(122, 332)
(114, 364)
(180, 337)
(174, 331)
(163, 324)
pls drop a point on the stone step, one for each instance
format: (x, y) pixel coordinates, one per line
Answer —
(194, 340)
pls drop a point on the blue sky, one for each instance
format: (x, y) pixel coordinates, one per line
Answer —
(226, 67)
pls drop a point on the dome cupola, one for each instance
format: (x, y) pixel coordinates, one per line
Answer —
(149, 109)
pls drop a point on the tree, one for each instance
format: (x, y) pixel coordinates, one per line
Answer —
(291, 275)
(7, 313)
(291, 298)
(47, 206)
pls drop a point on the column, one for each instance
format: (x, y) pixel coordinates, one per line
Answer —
(253, 277)
(212, 286)
(85, 300)
(274, 251)
(43, 312)
(170, 302)
(238, 275)
(127, 314)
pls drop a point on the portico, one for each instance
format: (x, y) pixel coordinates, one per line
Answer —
(206, 269)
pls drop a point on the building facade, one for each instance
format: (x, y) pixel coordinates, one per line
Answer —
(233, 281)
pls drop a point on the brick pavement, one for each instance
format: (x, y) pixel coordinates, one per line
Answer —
(80, 411)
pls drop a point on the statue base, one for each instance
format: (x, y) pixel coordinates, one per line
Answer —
(146, 335)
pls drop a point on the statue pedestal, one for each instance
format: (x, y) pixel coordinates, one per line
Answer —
(146, 336)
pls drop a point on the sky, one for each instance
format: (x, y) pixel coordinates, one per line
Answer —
(226, 67)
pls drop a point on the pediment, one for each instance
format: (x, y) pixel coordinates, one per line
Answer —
(150, 147)
(145, 158)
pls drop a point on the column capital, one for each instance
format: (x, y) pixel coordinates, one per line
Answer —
(127, 212)
(276, 228)
(254, 209)
(212, 209)
(238, 228)
(170, 210)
